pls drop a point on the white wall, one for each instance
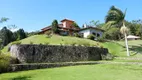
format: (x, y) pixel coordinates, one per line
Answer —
(85, 33)
(96, 31)
(90, 31)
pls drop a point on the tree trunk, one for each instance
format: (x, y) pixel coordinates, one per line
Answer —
(126, 43)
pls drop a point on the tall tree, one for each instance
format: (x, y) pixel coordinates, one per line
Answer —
(55, 26)
(124, 31)
(94, 23)
(21, 34)
(6, 36)
(116, 18)
(75, 25)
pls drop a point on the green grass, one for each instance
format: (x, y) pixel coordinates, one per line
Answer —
(55, 40)
(85, 72)
(135, 47)
(116, 48)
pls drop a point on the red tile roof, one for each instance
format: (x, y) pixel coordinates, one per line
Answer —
(66, 20)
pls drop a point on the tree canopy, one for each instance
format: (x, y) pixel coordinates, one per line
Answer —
(55, 26)
(75, 25)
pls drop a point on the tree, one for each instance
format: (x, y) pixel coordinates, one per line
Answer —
(124, 31)
(114, 18)
(3, 19)
(112, 34)
(94, 23)
(21, 34)
(55, 26)
(75, 25)
(6, 36)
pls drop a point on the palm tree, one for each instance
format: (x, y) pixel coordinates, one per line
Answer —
(124, 31)
(116, 18)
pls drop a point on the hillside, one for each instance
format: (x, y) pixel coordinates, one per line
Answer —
(115, 48)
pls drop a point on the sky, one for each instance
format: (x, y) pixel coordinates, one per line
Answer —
(32, 15)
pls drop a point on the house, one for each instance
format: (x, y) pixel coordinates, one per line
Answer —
(132, 37)
(87, 30)
(65, 28)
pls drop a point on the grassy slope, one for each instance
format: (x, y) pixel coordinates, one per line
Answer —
(135, 47)
(85, 72)
(54, 40)
(116, 48)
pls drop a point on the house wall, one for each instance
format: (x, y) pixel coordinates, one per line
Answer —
(67, 24)
(64, 24)
(91, 31)
(97, 32)
(85, 33)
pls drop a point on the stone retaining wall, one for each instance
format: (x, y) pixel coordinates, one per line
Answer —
(56, 53)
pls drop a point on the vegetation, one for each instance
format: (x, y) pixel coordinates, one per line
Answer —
(114, 18)
(55, 26)
(91, 37)
(4, 61)
(6, 36)
(3, 19)
(75, 25)
(87, 72)
(112, 34)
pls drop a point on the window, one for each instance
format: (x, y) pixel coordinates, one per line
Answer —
(98, 35)
(94, 33)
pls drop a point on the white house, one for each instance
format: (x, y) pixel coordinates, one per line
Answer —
(87, 30)
(132, 37)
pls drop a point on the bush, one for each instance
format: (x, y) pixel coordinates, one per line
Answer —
(48, 33)
(91, 36)
(101, 39)
(16, 43)
(73, 44)
(112, 34)
(78, 35)
(4, 62)
(46, 43)
(107, 57)
(31, 42)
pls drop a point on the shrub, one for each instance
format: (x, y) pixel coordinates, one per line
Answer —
(91, 36)
(112, 34)
(107, 57)
(4, 62)
(73, 43)
(101, 39)
(46, 43)
(48, 33)
(78, 35)
(16, 43)
(31, 42)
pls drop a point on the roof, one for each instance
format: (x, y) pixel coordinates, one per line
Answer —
(48, 27)
(67, 20)
(132, 36)
(91, 28)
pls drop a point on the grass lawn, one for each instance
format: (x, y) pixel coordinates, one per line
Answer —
(82, 72)
(55, 40)
(116, 48)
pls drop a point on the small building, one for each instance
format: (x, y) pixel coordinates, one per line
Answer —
(87, 30)
(65, 28)
(132, 37)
